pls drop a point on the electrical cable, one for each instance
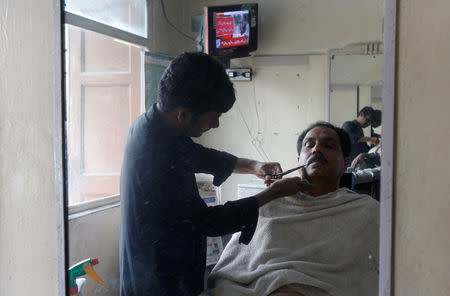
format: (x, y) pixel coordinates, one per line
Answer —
(172, 25)
(264, 152)
(259, 120)
(249, 132)
(256, 106)
(263, 156)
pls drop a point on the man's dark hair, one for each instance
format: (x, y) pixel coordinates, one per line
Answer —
(198, 82)
(344, 139)
(376, 118)
(367, 111)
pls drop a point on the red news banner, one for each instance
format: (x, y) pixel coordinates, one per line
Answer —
(224, 32)
(224, 26)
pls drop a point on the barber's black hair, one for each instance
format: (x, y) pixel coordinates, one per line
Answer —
(196, 81)
(344, 139)
(367, 111)
(376, 118)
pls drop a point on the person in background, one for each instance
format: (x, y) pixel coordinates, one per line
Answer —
(354, 128)
(376, 122)
(366, 167)
(164, 221)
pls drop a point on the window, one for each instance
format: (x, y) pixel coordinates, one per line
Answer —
(104, 95)
(126, 15)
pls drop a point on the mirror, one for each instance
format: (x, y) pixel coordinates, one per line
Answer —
(356, 82)
(303, 71)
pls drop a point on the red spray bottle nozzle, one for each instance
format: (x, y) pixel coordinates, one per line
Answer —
(94, 261)
(73, 290)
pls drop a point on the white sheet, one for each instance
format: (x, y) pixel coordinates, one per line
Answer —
(329, 242)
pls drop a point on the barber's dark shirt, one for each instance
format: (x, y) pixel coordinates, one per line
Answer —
(164, 221)
(355, 132)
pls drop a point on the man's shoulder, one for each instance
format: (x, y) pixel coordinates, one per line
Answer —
(350, 124)
(367, 204)
(363, 199)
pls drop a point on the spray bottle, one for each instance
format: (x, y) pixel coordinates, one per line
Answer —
(80, 269)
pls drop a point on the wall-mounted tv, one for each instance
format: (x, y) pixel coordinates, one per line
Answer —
(231, 31)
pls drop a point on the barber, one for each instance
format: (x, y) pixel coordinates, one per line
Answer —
(354, 128)
(164, 221)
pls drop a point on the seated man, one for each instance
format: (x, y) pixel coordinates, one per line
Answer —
(366, 167)
(366, 171)
(322, 241)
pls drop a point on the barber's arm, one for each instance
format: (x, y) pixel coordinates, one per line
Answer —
(358, 160)
(242, 215)
(371, 140)
(281, 188)
(222, 164)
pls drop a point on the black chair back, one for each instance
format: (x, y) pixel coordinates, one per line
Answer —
(347, 180)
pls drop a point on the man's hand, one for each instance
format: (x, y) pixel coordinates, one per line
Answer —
(289, 186)
(370, 140)
(374, 141)
(262, 169)
(358, 159)
(283, 187)
(304, 176)
(265, 170)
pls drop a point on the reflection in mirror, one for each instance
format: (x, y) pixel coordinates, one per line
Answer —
(294, 84)
(356, 82)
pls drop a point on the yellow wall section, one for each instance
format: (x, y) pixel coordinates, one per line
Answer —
(422, 190)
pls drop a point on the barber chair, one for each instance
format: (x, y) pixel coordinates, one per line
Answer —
(369, 188)
(348, 181)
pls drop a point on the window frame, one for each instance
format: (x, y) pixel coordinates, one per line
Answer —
(91, 25)
(84, 208)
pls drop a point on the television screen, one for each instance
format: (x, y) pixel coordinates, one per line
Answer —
(231, 31)
(232, 28)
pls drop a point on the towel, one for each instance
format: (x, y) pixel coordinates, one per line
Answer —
(328, 243)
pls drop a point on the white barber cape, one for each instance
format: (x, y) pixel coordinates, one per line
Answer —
(328, 242)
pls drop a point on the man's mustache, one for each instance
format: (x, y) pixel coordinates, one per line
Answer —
(317, 157)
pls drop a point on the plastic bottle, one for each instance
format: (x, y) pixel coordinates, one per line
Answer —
(82, 268)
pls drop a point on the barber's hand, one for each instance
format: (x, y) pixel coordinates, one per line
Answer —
(304, 176)
(305, 179)
(358, 160)
(264, 169)
(289, 186)
(283, 187)
(374, 141)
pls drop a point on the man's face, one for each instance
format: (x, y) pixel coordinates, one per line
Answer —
(322, 152)
(204, 122)
(366, 120)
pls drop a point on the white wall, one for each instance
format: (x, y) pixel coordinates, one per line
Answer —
(365, 100)
(164, 38)
(347, 72)
(422, 190)
(31, 241)
(343, 102)
(277, 105)
(357, 70)
(96, 235)
(285, 26)
(305, 26)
